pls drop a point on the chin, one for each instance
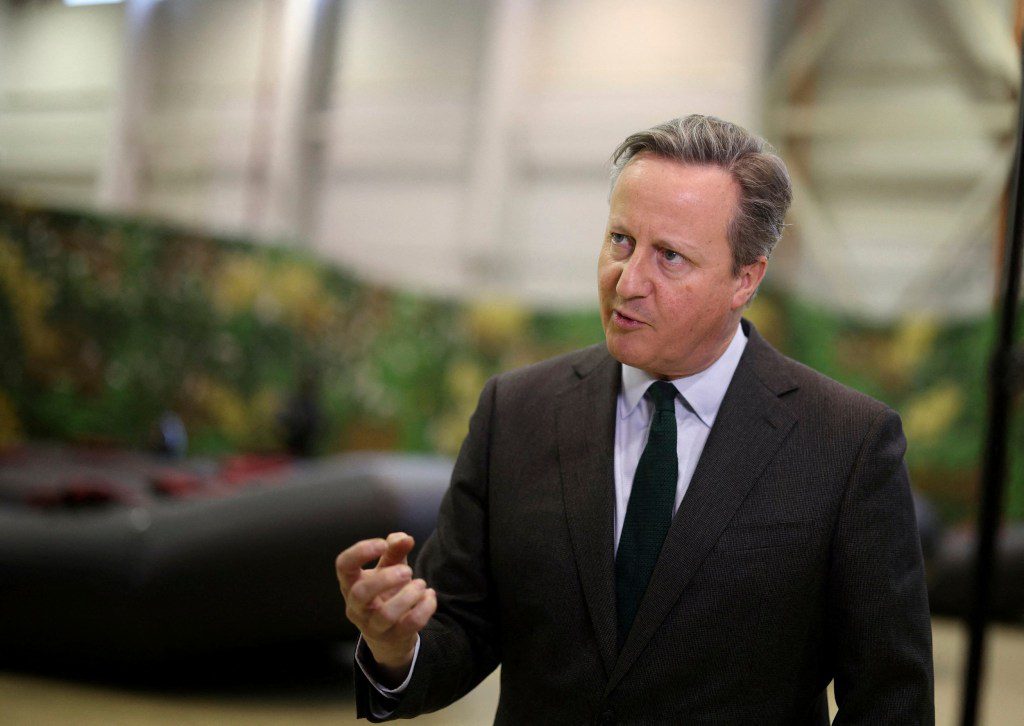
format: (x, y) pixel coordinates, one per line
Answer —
(621, 351)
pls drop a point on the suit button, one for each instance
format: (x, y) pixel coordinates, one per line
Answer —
(607, 719)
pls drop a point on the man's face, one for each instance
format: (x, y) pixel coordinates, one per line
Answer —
(669, 300)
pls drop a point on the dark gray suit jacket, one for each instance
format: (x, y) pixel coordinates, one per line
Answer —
(793, 559)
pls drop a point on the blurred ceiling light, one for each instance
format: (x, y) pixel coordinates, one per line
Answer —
(74, 3)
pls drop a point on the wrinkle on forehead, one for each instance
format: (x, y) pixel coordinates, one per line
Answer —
(660, 208)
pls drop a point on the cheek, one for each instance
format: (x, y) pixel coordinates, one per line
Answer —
(607, 277)
(688, 309)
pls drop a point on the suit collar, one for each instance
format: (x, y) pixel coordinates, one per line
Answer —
(587, 360)
(769, 366)
(585, 419)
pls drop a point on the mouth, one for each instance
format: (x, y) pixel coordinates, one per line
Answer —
(626, 322)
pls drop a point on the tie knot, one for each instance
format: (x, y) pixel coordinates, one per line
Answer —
(663, 394)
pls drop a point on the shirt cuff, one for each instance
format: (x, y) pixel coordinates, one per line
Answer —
(364, 659)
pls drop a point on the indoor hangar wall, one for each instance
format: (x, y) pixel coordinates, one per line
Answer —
(460, 147)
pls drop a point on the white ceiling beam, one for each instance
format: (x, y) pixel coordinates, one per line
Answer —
(122, 171)
(892, 120)
(493, 154)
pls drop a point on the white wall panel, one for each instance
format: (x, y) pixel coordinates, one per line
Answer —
(59, 72)
(405, 233)
(411, 79)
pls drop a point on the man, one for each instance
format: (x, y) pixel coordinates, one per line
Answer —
(693, 529)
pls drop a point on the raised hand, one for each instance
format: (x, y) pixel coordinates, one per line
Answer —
(384, 602)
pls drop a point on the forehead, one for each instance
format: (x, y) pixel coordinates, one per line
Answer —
(660, 174)
(652, 188)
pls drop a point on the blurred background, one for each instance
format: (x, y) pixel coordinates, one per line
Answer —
(258, 257)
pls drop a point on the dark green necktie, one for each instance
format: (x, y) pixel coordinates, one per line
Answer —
(649, 512)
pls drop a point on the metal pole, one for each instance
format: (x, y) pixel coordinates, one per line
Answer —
(1001, 379)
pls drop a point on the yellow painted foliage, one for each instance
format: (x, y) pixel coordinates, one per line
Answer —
(237, 284)
(497, 323)
(464, 379)
(292, 292)
(911, 344)
(931, 414)
(10, 426)
(767, 318)
(31, 297)
(263, 410)
(249, 423)
(224, 408)
(301, 297)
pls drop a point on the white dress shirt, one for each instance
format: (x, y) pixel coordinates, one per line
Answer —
(703, 392)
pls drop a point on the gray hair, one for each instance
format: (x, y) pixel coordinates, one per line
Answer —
(765, 189)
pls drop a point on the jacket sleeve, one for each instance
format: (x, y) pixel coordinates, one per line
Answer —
(879, 622)
(458, 646)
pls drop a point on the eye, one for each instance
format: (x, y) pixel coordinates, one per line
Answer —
(671, 256)
(620, 245)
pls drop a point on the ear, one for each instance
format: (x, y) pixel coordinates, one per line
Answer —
(747, 281)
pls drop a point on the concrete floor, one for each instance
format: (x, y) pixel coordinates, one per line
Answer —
(39, 701)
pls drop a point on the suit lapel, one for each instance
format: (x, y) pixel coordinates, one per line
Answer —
(586, 443)
(749, 427)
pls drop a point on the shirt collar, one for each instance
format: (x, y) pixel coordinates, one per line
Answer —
(704, 391)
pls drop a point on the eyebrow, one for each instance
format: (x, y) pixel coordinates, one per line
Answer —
(617, 225)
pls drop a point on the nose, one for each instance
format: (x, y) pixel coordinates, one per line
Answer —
(634, 281)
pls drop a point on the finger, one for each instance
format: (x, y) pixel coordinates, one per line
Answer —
(374, 582)
(391, 610)
(417, 617)
(399, 544)
(349, 564)
(365, 596)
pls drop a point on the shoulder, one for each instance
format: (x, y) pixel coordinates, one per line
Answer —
(527, 398)
(835, 428)
(550, 377)
(808, 393)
